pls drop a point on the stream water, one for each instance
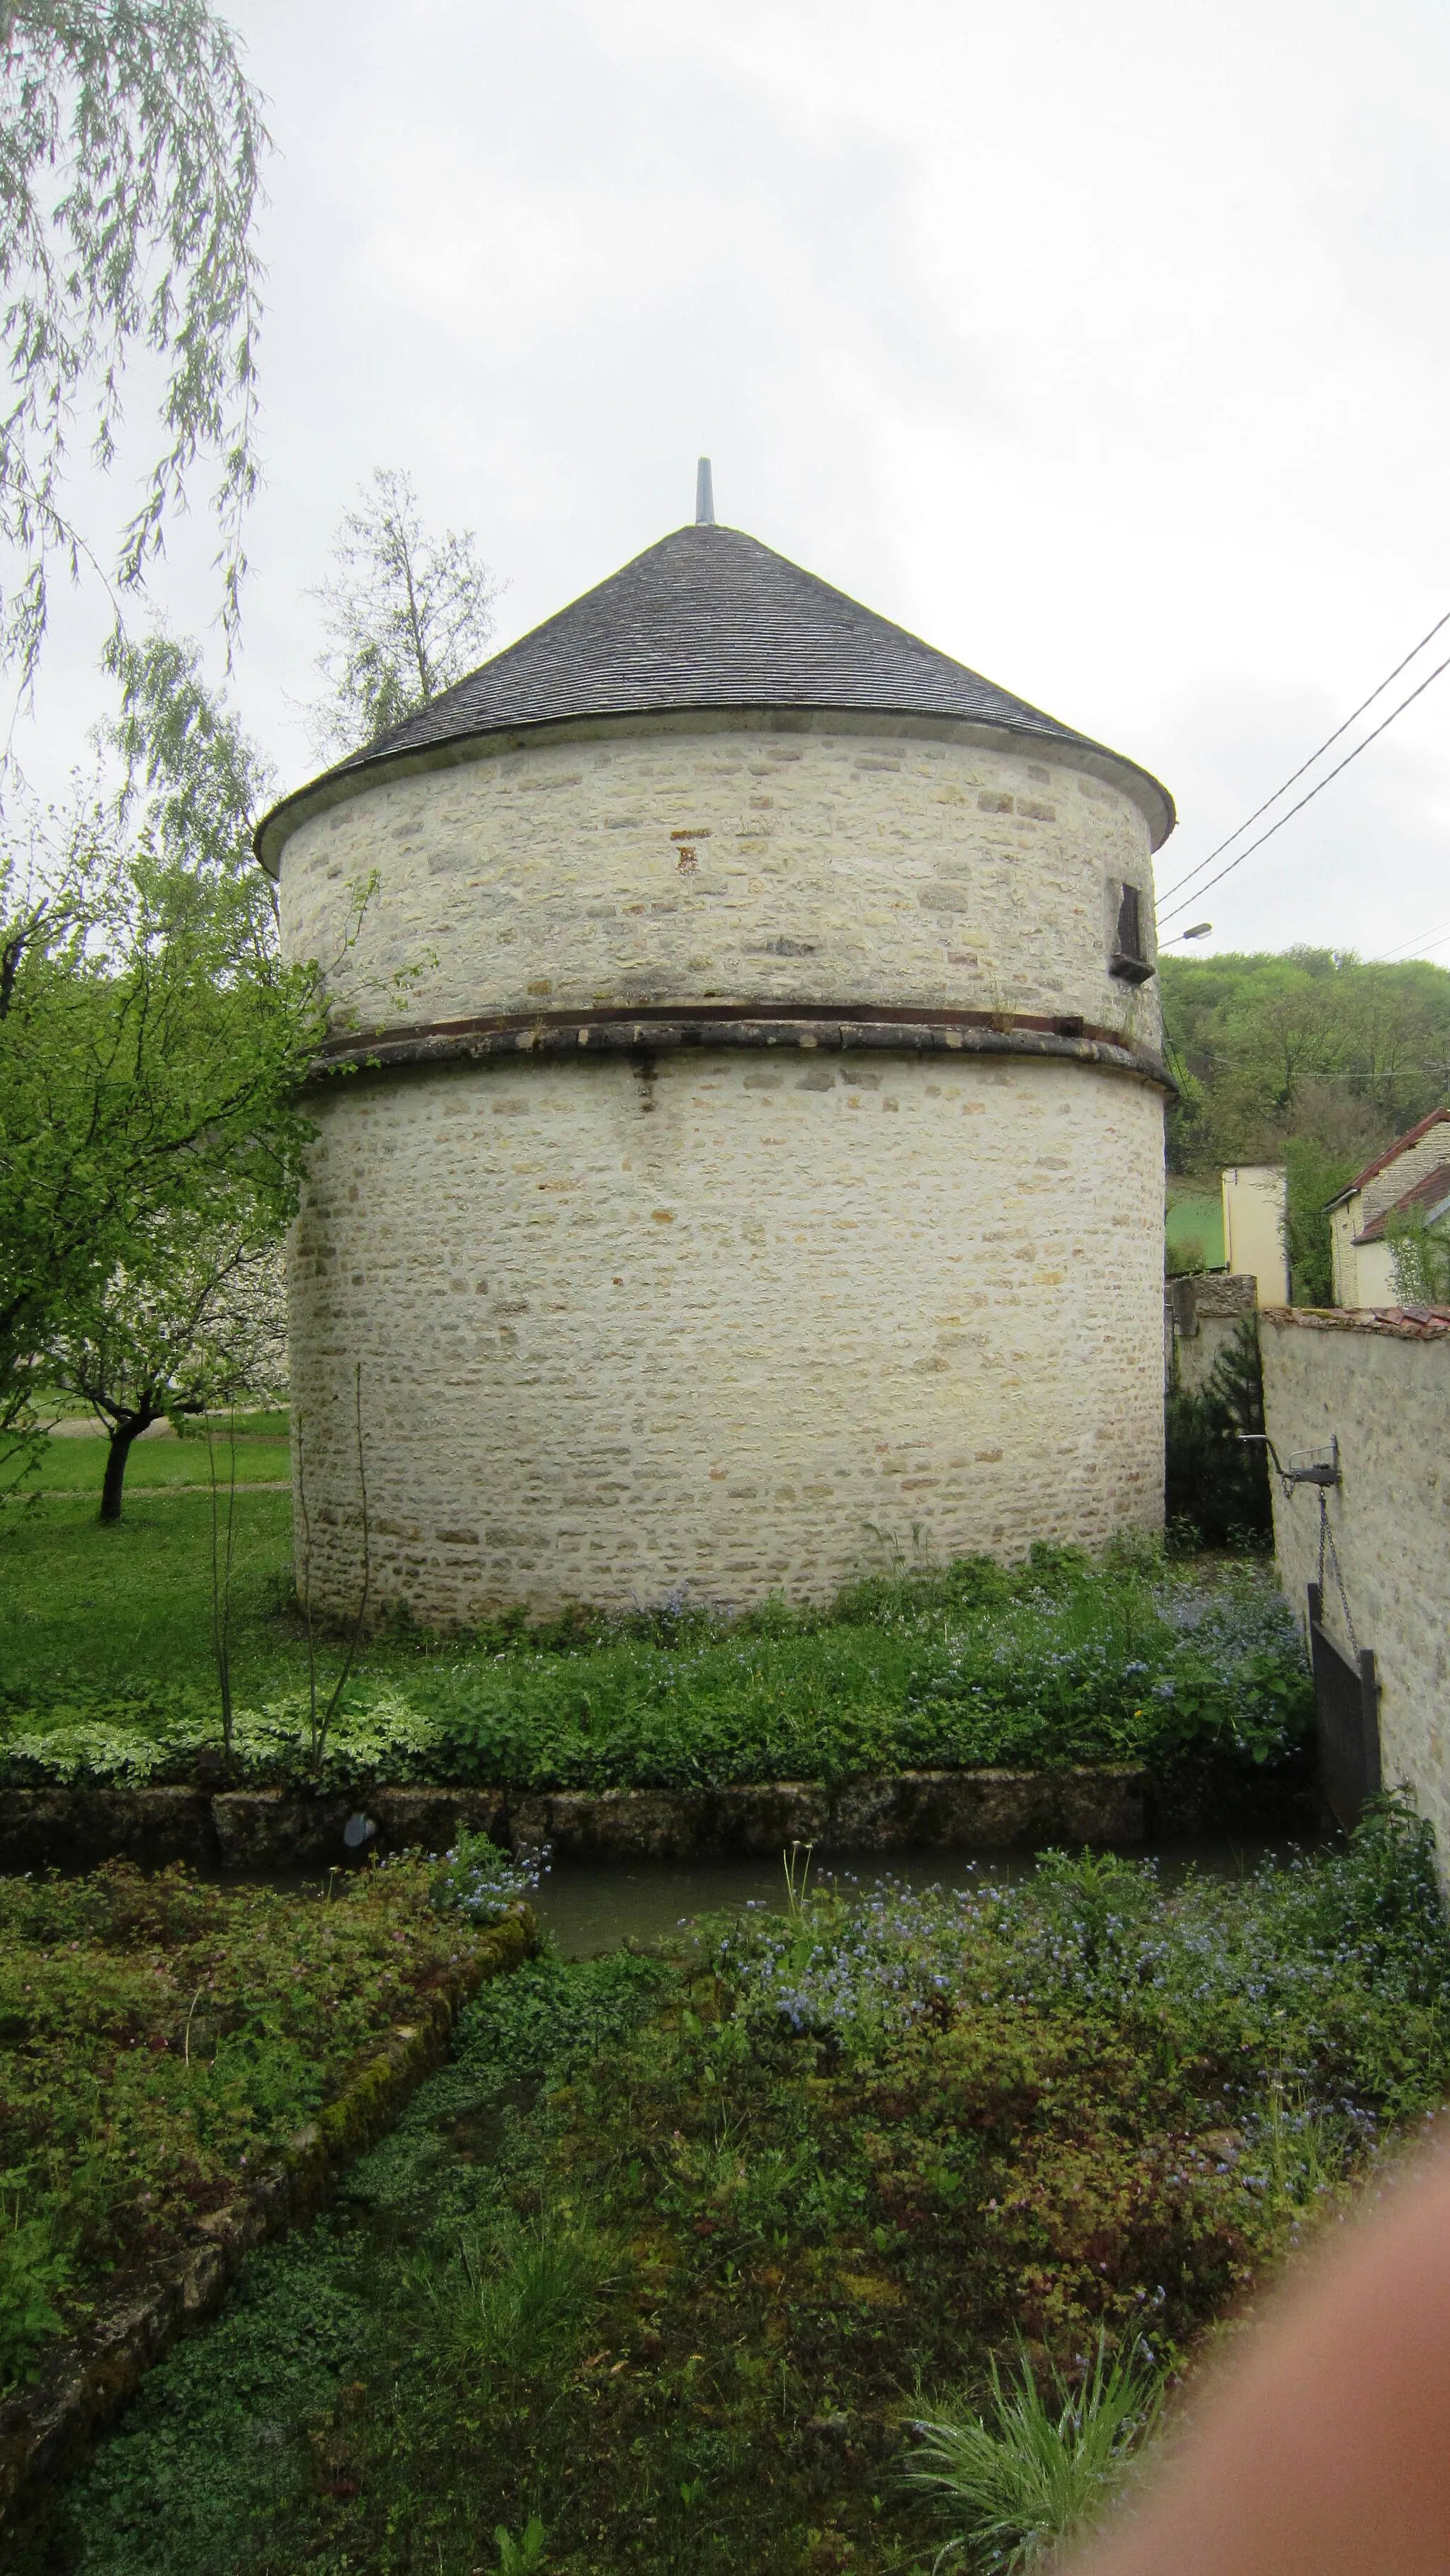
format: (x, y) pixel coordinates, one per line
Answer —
(593, 1907)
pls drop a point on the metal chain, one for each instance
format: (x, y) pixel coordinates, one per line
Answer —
(1326, 1541)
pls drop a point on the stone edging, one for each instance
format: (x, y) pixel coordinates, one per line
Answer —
(270, 1828)
(44, 2431)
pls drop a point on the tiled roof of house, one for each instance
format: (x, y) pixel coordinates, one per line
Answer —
(709, 618)
(1391, 1154)
(1430, 1197)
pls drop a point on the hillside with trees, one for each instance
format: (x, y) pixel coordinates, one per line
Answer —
(1310, 1059)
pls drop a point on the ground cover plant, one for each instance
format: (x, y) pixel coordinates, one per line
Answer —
(1197, 1672)
(162, 2040)
(680, 2258)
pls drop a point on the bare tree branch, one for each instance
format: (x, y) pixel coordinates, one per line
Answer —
(406, 616)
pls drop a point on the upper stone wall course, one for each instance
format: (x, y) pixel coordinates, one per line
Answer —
(823, 859)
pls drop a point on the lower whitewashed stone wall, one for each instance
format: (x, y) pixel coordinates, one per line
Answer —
(1382, 1385)
(738, 1321)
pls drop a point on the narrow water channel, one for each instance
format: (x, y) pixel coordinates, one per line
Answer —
(592, 1907)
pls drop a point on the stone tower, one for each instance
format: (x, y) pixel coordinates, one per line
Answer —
(752, 1161)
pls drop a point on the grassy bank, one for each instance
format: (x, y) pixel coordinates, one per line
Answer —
(1196, 1672)
(663, 2267)
(161, 2043)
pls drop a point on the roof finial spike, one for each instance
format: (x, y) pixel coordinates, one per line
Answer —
(704, 495)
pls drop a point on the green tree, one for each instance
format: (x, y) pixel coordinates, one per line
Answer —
(1310, 1059)
(1217, 1482)
(1314, 1174)
(194, 1321)
(151, 1040)
(131, 145)
(193, 786)
(406, 615)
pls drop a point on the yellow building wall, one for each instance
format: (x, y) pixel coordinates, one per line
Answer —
(1255, 1202)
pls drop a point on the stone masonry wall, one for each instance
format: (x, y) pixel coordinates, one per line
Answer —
(1384, 1388)
(823, 858)
(1414, 1165)
(741, 1322)
(1202, 1315)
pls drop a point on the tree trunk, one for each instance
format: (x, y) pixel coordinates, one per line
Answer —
(116, 1456)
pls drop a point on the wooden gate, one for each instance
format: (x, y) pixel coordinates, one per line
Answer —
(1347, 1699)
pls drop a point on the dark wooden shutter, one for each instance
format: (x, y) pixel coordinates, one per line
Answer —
(1128, 960)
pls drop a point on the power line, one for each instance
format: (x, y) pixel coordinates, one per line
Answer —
(1297, 774)
(1317, 790)
(1434, 939)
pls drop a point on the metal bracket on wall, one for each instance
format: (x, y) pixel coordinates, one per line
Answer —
(1320, 1471)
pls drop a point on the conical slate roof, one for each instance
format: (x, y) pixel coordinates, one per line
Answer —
(710, 618)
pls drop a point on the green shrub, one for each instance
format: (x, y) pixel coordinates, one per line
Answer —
(35, 2273)
(519, 2557)
(508, 2309)
(1216, 1482)
(1420, 1254)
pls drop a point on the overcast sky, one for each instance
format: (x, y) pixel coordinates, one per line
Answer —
(1106, 347)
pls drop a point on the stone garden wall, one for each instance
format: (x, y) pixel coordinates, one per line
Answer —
(1380, 1382)
(1202, 1313)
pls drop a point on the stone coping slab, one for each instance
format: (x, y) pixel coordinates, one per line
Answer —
(247, 1829)
(1404, 1323)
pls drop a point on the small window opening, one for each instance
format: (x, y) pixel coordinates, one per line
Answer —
(1128, 960)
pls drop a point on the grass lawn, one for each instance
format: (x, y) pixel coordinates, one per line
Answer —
(1195, 1219)
(661, 2269)
(77, 1466)
(97, 1610)
(162, 2040)
(105, 1670)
